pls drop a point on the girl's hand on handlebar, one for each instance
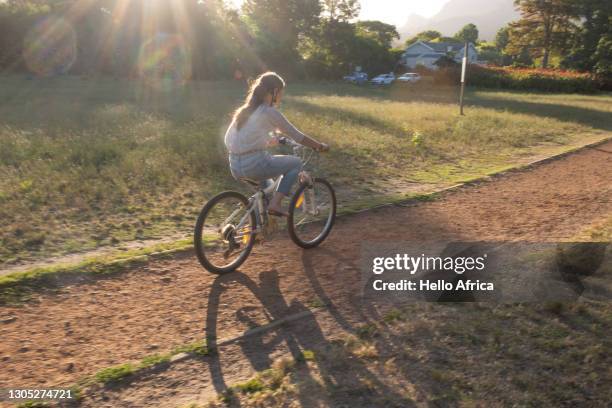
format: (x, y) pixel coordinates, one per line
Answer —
(274, 141)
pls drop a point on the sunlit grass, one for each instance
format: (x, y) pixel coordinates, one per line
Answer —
(89, 163)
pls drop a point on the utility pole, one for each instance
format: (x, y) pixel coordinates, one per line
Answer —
(463, 69)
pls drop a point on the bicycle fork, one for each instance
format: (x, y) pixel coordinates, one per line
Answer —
(308, 202)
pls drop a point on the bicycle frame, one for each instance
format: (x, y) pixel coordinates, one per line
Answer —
(257, 206)
(256, 201)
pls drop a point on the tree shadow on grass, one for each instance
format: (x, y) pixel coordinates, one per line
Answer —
(572, 114)
(449, 95)
(396, 93)
(330, 113)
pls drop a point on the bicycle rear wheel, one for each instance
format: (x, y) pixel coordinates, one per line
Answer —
(224, 233)
(312, 213)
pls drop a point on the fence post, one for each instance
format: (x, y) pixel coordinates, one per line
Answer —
(463, 70)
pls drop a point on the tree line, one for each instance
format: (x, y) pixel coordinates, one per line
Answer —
(208, 39)
(301, 38)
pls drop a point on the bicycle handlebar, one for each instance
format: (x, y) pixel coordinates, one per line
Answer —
(289, 142)
(303, 152)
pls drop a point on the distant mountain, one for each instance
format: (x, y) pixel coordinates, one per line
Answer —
(488, 15)
(414, 20)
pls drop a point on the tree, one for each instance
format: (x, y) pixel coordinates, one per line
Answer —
(337, 45)
(603, 57)
(287, 18)
(326, 50)
(381, 32)
(445, 39)
(544, 27)
(591, 41)
(341, 10)
(277, 25)
(469, 33)
(490, 53)
(502, 38)
(428, 35)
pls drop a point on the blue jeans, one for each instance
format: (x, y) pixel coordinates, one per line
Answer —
(262, 166)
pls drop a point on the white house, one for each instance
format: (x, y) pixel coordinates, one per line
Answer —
(428, 53)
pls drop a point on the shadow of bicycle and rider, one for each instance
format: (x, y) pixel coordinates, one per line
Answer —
(336, 382)
(335, 376)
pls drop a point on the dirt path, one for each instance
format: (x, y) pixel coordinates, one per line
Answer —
(80, 329)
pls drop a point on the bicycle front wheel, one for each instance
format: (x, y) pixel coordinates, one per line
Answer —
(225, 233)
(312, 213)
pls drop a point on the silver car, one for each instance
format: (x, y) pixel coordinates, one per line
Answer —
(384, 79)
(410, 77)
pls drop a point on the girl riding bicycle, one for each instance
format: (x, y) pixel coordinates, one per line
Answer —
(253, 129)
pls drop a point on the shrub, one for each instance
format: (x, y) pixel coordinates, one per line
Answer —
(549, 80)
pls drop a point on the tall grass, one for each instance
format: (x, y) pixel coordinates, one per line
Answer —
(99, 162)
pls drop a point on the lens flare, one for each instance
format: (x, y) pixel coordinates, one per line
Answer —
(164, 62)
(50, 47)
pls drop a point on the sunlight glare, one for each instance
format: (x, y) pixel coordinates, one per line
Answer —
(50, 47)
(164, 62)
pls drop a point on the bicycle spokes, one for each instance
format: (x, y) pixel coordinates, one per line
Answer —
(312, 213)
(224, 232)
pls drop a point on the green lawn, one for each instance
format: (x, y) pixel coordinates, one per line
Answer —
(89, 163)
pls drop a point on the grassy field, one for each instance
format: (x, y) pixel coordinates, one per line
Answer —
(90, 163)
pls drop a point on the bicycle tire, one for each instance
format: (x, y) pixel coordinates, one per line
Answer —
(290, 220)
(200, 250)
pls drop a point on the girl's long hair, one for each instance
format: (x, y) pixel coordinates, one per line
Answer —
(268, 83)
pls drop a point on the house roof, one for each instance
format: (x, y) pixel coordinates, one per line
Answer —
(443, 46)
(440, 47)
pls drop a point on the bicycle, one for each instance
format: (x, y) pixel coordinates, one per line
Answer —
(230, 222)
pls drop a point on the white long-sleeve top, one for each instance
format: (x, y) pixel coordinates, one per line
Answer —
(255, 133)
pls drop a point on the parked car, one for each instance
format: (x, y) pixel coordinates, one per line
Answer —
(384, 79)
(410, 77)
(357, 78)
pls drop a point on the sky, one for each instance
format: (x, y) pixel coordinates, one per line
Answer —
(397, 11)
(394, 11)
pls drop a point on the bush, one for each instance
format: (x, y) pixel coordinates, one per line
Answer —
(537, 79)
